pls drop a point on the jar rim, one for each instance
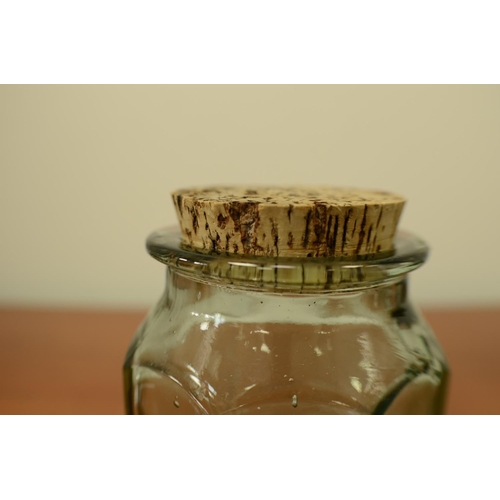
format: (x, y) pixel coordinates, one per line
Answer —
(294, 274)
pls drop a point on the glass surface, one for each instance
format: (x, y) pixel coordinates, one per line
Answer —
(274, 273)
(247, 335)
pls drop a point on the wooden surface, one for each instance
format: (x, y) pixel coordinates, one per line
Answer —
(69, 362)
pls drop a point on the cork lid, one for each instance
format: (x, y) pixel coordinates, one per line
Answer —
(288, 222)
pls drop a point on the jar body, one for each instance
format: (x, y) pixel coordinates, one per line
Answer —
(212, 348)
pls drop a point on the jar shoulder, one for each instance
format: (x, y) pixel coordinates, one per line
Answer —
(348, 362)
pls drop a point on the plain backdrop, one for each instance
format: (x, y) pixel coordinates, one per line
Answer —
(86, 173)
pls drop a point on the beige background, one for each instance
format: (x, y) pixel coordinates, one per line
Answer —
(86, 172)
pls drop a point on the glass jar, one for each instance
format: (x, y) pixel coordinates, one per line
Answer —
(259, 335)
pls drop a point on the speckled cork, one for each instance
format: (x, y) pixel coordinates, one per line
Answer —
(288, 222)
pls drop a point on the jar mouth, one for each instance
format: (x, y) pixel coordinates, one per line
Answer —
(293, 274)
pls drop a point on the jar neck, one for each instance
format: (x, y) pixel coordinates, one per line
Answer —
(290, 275)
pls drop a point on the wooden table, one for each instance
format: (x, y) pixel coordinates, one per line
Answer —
(69, 362)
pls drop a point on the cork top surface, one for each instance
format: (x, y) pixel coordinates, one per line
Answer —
(288, 222)
(299, 195)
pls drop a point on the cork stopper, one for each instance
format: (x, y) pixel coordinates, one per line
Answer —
(288, 222)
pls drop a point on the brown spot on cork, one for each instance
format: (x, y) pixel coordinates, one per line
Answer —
(319, 220)
(246, 219)
(333, 246)
(228, 237)
(274, 234)
(369, 236)
(362, 231)
(307, 230)
(214, 244)
(194, 215)
(290, 240)
(328, 229)
(344, 233)
(222, 221)
(320, 224)
(289, 212)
